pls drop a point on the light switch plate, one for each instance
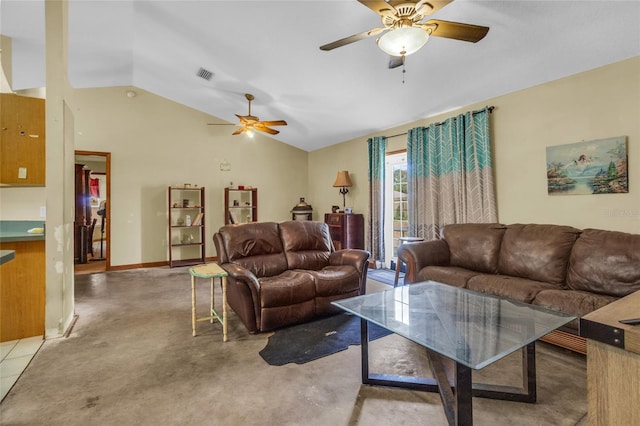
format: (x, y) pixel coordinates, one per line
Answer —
(43, 211)
(22, 173)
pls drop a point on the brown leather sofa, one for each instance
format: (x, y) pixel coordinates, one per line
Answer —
(558, 267)
(286, 273)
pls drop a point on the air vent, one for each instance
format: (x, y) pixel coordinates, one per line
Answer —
(206, 74)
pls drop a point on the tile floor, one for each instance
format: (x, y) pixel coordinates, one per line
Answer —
(15, 356)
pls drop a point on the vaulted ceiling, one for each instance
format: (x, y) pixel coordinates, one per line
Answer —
(271, 50)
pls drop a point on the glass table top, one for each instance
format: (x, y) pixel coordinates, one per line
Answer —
(471, 328)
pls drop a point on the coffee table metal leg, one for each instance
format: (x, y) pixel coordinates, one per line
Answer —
(456, 396)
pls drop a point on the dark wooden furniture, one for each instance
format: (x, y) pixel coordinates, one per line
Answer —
(347, 230)
(240, 205)
(82, 219)
(186, 226)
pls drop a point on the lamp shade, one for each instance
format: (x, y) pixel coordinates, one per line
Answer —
(403, 41)
(342, 179)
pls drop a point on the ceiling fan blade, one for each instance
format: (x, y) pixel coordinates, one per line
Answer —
(395, 61)
(455, 30)
(274, 123)
(259, 127)
(240, 130)
(435, 4)
(380, 7)
(242, 118)
(351, 39)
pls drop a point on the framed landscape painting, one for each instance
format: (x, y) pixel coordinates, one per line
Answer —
(594, 167)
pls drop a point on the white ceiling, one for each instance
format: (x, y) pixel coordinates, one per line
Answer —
(271, 49)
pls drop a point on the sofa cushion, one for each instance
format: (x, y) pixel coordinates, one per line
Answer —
(335, 280)
(452, 275)
(307, 244)
(288, 288)
(520, 289)
(572, 302)
(474, 246)
(256, 247)
(605, 262)
(537, 252)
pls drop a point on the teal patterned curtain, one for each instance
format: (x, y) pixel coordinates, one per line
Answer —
(450, 174)
(375, 225)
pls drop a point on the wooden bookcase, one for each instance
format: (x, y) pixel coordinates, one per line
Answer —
(186, 226)
(240, 205)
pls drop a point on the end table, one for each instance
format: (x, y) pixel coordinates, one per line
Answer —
(211, 271)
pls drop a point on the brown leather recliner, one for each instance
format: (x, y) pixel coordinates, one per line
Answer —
(286, 273)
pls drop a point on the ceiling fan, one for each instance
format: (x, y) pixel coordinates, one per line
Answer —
(250, 123)
(406, 31)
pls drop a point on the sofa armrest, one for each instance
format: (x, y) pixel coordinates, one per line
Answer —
(419, 255)
(359, 259)
(238, 273)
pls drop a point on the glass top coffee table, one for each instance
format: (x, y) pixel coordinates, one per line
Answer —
(462, 331)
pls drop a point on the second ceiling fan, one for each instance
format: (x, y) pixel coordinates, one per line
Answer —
(250, 123)
(406, 31)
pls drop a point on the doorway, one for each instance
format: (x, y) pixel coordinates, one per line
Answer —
(395, 209)
(92, 224)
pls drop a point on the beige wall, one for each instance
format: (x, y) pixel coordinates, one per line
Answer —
(597, 104)
(154, 143)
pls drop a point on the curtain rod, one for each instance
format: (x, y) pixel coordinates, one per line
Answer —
(491, 108)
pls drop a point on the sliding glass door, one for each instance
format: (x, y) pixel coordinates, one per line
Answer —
(395, 209)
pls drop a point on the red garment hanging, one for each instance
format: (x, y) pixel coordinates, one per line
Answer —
(94, 187)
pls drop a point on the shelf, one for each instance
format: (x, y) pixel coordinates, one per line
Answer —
(246, 211)
(191, 253)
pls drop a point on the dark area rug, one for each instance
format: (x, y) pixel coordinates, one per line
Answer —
(305, 342)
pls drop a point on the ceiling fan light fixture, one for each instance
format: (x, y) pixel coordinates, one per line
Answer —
(403, 41)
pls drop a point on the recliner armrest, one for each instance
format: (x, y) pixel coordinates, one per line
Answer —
(357, 258)
(239, 273)
(419, 255)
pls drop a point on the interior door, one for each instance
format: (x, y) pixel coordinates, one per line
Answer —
(98, 208)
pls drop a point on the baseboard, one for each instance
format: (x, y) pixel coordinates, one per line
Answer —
(150, 265)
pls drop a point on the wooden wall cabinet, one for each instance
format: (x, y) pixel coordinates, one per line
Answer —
(347, 230)
(240, 205)
(186, 226)
(22, 140)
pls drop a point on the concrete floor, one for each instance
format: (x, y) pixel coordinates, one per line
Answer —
(131, 359)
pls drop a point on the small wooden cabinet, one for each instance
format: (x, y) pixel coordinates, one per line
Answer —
(22, 140)
(186, 226)
(347, 230)
(240, 205)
